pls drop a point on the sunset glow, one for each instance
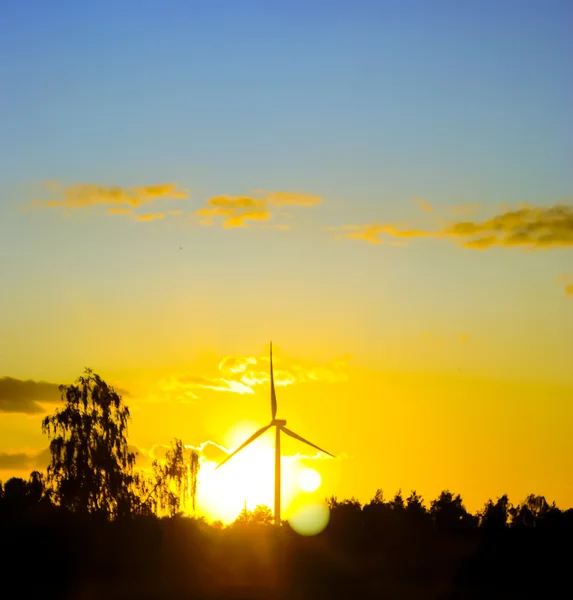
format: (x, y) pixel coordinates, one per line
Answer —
(383, 189)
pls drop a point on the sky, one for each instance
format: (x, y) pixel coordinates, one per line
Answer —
(383, 189)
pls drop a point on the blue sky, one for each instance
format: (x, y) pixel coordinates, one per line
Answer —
(369, 101)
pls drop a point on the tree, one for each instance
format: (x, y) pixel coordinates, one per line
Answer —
(494, 517)
(173, 483)
(417, 516)
(261, 515)
(91, 469)
(449, 513)
(530, 512)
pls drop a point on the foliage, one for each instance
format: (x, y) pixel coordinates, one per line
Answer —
(449, 513)
(91, 469)
(261, 515)
(495, 516)
(173, 482)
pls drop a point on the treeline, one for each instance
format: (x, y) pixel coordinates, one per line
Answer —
(394, 548)
(95, 527)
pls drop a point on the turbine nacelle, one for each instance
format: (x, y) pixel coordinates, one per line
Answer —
(278, 422)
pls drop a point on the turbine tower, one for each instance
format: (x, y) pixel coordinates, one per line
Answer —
(280, 425)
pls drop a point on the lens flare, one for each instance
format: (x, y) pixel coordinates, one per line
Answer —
(310, 519)
(309, 480)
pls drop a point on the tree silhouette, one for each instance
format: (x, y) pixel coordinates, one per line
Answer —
(261, 515)
(450, 515)
(494, 517)
(173, 483)
(91, 469)
(530, 512)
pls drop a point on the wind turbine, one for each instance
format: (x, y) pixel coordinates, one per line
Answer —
(280, 425)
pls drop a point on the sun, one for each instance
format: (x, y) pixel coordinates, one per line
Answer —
(247, 479)
(309, 480)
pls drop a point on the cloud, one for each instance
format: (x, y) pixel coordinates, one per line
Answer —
(292, 199)
(211, 451)
(236, 364)
(236, 211)
(187, 383)
(26, 396)
(240, 374)
(373, 232)
(17, 461)
(25, 461)
(148, 217)
(424, 205)
(530, 227)
(117, 210)
(84, 195)
(527, 227)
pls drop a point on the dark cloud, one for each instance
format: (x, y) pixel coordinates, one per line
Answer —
(530, 227)
(26, 396)
(21, 461)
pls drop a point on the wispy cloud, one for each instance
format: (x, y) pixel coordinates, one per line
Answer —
(532, 228)
(241, 374)
(188, 383)
(83, 195)
(237, 211)
(374, 233)
(149, 217)
(292, 199)
(26, 396)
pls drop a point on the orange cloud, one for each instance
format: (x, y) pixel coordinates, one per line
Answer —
(292, 199)
(237, 210)
(373, 232)
(148, 217)
(84, 195)
(528, 227)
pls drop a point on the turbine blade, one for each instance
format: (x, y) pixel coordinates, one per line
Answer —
(251, 439)
(301, 439)
(273, 395)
